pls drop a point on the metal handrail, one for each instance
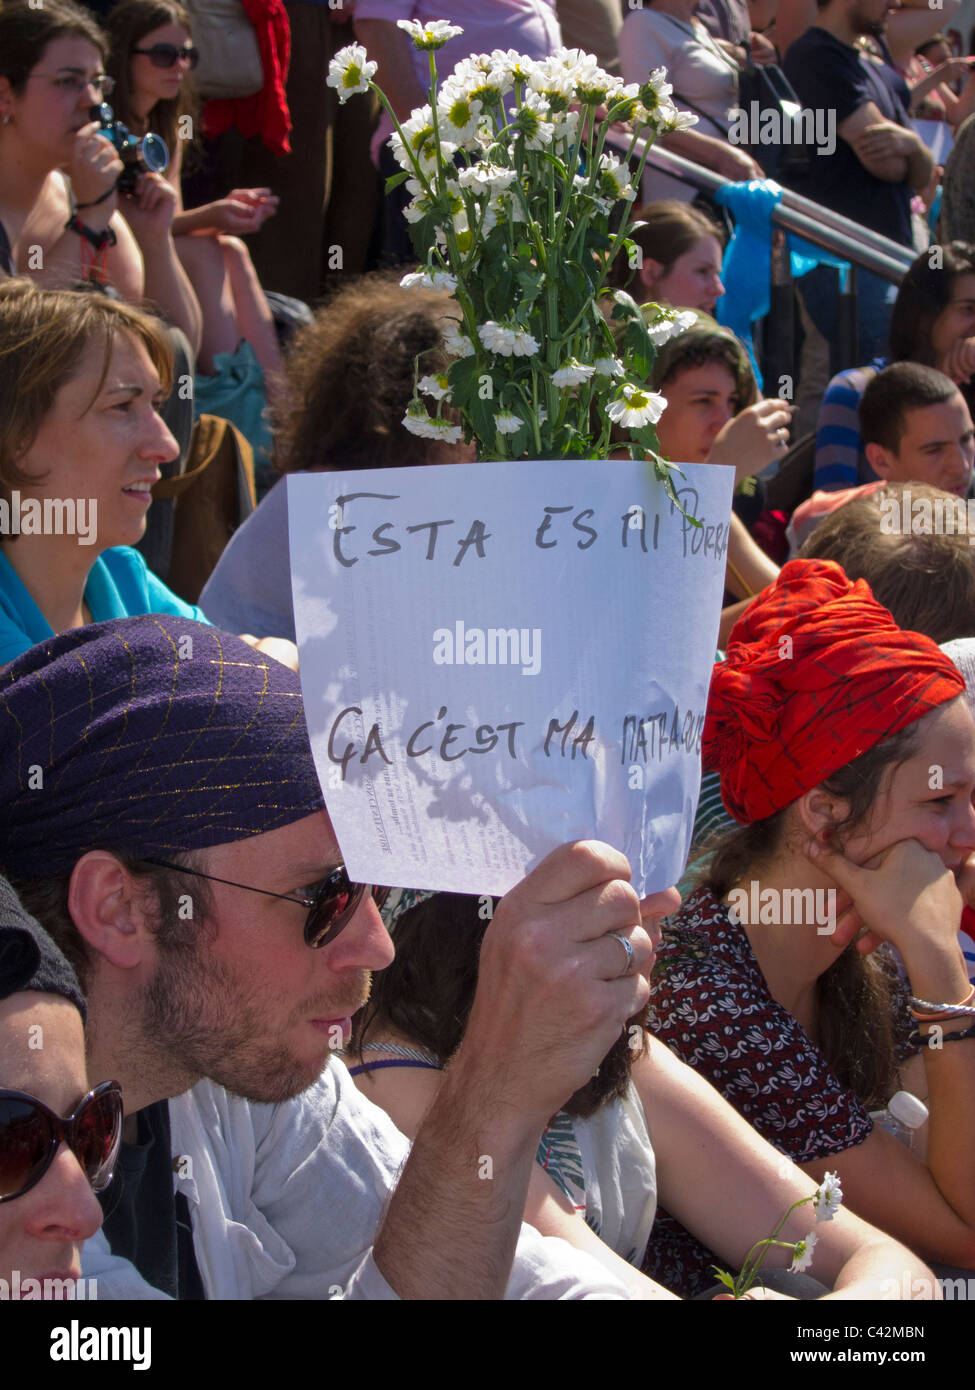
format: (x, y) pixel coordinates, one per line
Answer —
(817, 224)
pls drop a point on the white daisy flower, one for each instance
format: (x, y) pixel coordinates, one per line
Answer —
(487, 177)
(614, 179)
(432, 35)
(458, 115)
(446, 433)
(418, 422)
(608, 366)
(525, 345)
(828, 1198)
(429, 280)
(566, 124)
(803, 1256)
(573, 373)
(655, 91)
(668, 324)
(508, 424)
(531, 119)
(350, 71)
(515, 66)
(678, 120)
(435, 386)
(457, 344)
(636, 407)
(497, 339)
(507, 342)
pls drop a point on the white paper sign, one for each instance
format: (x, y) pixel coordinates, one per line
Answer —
(498, 658)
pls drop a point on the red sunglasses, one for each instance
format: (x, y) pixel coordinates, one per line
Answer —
(31, 1134)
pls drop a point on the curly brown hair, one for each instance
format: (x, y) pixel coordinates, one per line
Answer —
(351, 374)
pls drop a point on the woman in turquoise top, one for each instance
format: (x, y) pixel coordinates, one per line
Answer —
(81, 380)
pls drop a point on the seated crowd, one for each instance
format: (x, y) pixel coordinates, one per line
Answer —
(733, 1068)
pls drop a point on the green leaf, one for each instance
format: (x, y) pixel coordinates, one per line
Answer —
(725, 1278)
(395, 180)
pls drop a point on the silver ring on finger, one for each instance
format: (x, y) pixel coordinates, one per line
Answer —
(630, 957)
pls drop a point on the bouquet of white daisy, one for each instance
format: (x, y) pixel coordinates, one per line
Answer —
(514, 211)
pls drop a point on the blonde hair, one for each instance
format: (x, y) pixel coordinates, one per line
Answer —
(43, 336)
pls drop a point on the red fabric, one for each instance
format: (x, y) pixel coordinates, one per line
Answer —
(265, 114)
(816, 672)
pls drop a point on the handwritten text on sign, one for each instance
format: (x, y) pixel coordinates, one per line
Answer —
(498, 658)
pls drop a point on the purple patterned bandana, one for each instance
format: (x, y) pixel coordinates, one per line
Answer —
(150, 735)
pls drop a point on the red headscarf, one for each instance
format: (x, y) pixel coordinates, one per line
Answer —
(816, 673)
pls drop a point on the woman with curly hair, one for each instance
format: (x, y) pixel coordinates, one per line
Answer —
(351, 376)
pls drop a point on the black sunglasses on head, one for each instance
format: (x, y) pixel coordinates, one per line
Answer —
(31, 1134)
(167, 55)
(331, 903)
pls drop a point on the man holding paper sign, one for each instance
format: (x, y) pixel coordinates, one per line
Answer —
(168, 845)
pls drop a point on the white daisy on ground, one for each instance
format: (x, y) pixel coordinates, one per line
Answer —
(508, 424)
(432, 35)
(828, 1198)
(350, 71)
(636, 407)
(803, 1256)
(572, 373)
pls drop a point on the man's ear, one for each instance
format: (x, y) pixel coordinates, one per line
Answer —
(881, 460)
(649, 274)
(6, 97)
(107, 905)
(820, 811)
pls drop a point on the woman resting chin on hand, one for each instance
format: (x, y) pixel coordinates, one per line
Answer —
(847, 754)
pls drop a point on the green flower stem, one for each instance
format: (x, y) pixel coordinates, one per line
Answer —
(751, 1266)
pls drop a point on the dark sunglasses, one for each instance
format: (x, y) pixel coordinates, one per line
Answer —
(31, 1134)
(167, 55)
(331, 903)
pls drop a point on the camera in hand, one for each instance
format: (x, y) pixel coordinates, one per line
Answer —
(145, 155)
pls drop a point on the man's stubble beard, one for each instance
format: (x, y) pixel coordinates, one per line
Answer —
(198, 1023)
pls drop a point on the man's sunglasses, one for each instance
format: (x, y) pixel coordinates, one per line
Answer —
(331, 903)
(31, 1134)
(167, 55)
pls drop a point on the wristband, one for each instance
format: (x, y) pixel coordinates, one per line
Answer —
(94, 203)
(923, 1011)
(917, 1040)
